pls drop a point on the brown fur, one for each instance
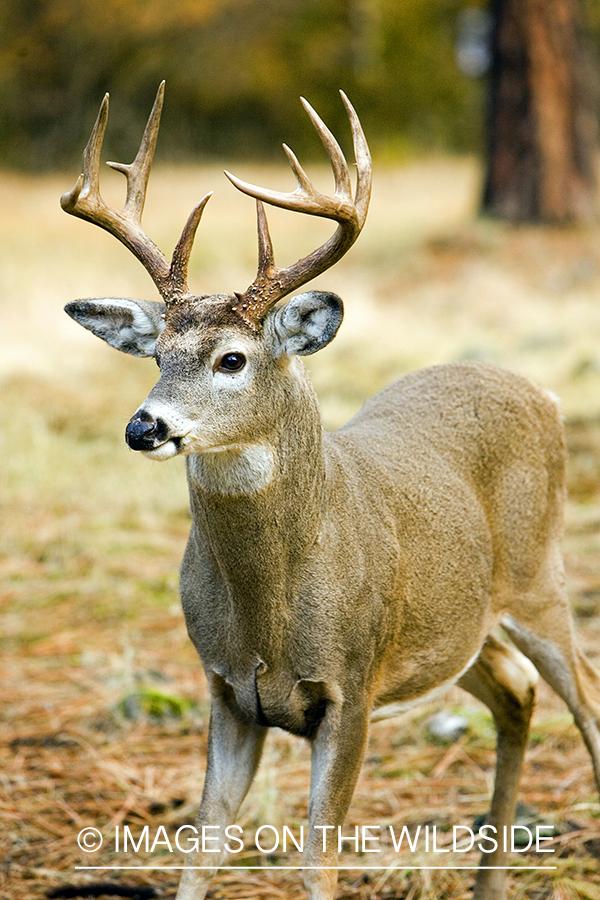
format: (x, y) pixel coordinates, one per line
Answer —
(372, 569)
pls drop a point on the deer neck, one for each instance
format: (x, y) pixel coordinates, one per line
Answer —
(258, 505)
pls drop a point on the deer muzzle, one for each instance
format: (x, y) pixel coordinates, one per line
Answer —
(145, 432)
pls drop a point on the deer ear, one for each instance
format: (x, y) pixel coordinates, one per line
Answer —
(131, 326)
(307, 323)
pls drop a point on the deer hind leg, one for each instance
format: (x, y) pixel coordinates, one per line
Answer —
(504, 680)
(544, 632)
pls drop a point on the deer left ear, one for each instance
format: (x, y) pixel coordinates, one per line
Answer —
(131, 326)
(307, 323)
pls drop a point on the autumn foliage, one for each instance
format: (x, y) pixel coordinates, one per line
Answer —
(234, 71)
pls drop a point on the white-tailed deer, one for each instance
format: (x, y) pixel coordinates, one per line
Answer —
(327, 574)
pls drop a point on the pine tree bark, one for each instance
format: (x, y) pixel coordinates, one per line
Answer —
(542, 135)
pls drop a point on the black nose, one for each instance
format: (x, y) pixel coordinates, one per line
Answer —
(145, 432)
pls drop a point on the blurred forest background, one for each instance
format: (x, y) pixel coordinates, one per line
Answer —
(234, 70)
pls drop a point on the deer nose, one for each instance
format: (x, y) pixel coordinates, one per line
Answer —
(144, 432)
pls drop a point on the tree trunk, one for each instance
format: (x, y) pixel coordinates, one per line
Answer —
(542, 136)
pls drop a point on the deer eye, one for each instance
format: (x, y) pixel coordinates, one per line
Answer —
(231, 362)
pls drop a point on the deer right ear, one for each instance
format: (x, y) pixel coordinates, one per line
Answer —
(131, 326)
(307, 323)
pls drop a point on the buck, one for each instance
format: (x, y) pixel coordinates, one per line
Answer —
(329, 574)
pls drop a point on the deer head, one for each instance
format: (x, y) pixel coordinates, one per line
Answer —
(223, 358)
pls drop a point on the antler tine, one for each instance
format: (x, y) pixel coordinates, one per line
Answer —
(339, 165)
(85, 196)
(181, 253)
(138, 172)
(272, 283)
(85, 201)
(362, 155)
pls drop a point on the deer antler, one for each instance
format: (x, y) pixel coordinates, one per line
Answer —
(272, 283)
(84, 200)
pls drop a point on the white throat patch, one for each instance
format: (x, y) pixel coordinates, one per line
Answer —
(236, 469)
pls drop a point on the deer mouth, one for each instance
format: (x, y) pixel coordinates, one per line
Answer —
(167, 450)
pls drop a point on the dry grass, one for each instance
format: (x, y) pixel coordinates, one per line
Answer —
(104, 712)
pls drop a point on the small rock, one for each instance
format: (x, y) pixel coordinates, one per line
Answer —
(447, 727)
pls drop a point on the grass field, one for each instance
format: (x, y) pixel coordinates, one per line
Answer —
(104, 709)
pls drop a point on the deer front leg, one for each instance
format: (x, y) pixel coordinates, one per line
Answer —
(234, 751)
(504, 680)
(337, 754)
